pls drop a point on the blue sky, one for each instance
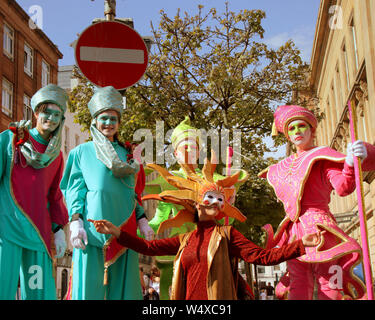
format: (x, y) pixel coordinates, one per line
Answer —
(63, 20)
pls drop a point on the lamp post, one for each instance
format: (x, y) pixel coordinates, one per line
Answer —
(110, 10)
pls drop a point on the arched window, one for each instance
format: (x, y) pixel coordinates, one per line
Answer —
(64, 283)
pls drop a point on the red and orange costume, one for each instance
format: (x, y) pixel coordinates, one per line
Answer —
(203, 267)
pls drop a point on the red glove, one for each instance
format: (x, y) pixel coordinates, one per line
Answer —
(21, 135)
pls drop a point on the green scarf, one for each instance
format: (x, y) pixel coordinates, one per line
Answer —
(106, 153)
(34, 158)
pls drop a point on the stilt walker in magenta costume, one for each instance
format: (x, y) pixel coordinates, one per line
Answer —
(31, 166)
(304, 182)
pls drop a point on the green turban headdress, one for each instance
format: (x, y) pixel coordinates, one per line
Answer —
(107, 98)
(51, 93)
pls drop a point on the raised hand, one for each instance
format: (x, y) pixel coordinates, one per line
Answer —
(106, 227)
(78, 235)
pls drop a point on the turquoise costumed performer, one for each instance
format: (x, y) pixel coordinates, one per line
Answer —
(32, 208)
(99, 182)
(187, 144)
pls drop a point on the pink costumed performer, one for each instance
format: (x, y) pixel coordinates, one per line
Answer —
(304, 182)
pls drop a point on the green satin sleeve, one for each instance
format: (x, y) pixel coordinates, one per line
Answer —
(139, 210)
(162, 213)
(5, 138)
(73, 185)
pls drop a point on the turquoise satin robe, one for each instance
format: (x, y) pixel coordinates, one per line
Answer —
(90, 189)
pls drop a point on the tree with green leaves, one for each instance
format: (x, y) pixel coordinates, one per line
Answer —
(215, 69)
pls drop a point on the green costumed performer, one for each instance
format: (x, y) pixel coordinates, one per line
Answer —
(102, 181)
(32, 207)
(187, 144)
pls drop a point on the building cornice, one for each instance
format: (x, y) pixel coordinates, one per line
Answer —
(26, 18)
(322, 32)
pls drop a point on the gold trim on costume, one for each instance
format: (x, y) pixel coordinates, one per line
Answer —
(19, 206)
(108, 263)
(305, 177)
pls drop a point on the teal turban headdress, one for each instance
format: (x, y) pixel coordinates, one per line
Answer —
(51, 93)
(107, 98)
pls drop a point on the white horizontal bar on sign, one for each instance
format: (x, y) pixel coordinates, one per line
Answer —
(111, 55)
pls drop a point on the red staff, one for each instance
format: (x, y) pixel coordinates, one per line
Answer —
(229, 165)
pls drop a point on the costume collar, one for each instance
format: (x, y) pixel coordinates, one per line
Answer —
(37, 136)
(206, 224)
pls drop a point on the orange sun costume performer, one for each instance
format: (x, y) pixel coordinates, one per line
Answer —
(304, 182)
(206, 258)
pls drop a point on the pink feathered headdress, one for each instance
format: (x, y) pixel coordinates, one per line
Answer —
(285, 114)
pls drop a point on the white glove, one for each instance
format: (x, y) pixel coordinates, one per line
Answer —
(357, 149)
(145, 229)
(78, 235)
(60, 243)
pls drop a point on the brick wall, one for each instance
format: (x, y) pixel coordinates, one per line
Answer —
(12, 68)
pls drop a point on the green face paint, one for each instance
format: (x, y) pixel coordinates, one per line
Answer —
(293, 129)
(51, 115)
(107, 120)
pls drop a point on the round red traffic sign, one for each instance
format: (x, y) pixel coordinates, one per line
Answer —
(111, 54)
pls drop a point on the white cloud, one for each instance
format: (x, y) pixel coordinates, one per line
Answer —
(303, 38)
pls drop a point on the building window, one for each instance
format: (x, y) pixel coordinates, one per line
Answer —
(77, 139)
(45, 73)
(28, 60)
(346, 64)
(64, 283)
(261, 269)
(27, 111)
(7, 98)
(339, 91)
(354, 39)
(66, 144)
(8, 41)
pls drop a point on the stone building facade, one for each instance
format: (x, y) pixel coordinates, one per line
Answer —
(342, 70)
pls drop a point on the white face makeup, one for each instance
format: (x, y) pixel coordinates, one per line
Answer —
(212, 198)
(49, 119)
(300, 134)
(107, 123)
(190, 146)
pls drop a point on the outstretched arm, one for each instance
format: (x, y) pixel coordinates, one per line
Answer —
(160, 247)
(243, 248)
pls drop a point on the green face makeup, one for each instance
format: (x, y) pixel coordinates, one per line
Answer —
(298, 127)
(51, 115)
(107, 119)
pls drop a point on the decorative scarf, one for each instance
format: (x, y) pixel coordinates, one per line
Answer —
(34, 158)
(106, 153)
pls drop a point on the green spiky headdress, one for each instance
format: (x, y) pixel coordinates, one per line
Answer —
(184, 131)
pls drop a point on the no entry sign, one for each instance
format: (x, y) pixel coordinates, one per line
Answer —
(111, 54)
